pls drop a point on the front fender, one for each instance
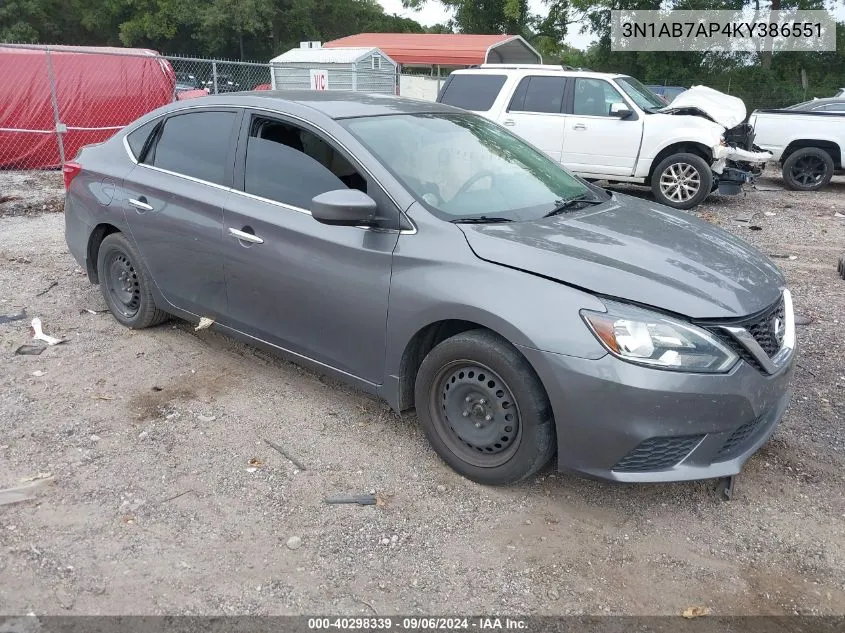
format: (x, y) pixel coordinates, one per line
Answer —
(663, 130)
(436, 277)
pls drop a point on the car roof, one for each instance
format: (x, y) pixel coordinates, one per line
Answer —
(534, 69)
(335, 104)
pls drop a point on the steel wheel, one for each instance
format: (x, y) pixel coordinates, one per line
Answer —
(680, 182)
(808, 170)
(122, 283)
(476, 414)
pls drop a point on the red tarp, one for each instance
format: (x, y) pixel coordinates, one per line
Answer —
(191, 94)
(104, 88)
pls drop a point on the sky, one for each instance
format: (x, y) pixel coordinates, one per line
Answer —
(434, 13)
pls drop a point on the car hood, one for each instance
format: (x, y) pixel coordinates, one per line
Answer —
(723, 109)
(638, 251)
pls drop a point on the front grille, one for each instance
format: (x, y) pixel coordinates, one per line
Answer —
(739, 440)
(740, 350)
(658, 453)
(761, 327)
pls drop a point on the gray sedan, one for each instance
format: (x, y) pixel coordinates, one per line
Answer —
(429, 256)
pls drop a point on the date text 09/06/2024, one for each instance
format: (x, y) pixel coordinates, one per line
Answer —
(417, 624)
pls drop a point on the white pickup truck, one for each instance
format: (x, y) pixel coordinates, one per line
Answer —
(808, 145)
(611, 127)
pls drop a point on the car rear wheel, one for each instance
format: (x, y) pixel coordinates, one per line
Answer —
(807, 169)
(682, 181)
(125, 284)
(484, 409)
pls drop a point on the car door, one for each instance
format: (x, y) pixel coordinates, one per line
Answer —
(596, 142)
(535, 113)
(174, 206)
(315, 290)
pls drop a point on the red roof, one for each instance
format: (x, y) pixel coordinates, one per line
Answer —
(445, 49)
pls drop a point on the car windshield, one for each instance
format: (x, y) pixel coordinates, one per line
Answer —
(640, 94)
(462, 166)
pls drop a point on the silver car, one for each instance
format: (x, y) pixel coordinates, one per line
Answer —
(429, 256)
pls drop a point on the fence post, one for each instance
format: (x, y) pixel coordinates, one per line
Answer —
(214, 75)
(55, 103)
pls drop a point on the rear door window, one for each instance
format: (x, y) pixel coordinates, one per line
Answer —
(472, 92)
(539, 94)
(196, 144)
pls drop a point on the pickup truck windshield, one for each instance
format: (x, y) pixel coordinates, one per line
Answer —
(462, 166)
(640, 94)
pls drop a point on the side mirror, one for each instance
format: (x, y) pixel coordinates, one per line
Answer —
(620, 110)
(344, 207)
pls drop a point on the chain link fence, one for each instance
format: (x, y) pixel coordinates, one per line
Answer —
(56, 99)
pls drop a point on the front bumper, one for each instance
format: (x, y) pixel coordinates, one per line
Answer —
(624, 422)
(734, 167)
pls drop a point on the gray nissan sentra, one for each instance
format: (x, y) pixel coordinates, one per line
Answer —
(431, 257)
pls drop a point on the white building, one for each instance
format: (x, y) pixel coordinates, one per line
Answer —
(365, 69)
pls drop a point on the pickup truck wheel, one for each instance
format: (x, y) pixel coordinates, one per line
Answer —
(682, 181)
(483, 409)
(807, 169)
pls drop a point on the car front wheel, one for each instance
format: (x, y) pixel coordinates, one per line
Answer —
(484, 409)
(808, 169)
(125, 284)
(682, 181)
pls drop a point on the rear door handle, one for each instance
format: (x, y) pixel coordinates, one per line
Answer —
(510, 122)
(579, 126)
(245, 237)
(140, 204)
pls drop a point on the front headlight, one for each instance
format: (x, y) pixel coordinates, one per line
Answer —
(652, 339)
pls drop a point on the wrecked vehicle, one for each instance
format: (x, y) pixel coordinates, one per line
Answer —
(611, 127)
(427, 255)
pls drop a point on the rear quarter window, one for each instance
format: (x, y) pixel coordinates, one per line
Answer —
(137, 138)
(472, 92)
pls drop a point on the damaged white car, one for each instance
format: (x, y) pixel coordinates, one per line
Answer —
(611, 127)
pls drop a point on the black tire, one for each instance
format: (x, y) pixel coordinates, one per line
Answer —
(686, 171)
(807, 169)
(125, 283)
(841, 267)
(479, 373)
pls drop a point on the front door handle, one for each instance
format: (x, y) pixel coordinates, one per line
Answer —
(510, 122)
(579, 126)
(140, 204)
(245, 236)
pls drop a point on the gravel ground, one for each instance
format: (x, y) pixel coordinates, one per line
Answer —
(165, 499)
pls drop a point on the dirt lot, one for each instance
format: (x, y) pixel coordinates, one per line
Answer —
(166, 499)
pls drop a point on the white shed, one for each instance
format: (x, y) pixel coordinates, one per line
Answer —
(360, 69)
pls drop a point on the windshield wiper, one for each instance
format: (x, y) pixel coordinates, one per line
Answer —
(483, 219)
(566, 205)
